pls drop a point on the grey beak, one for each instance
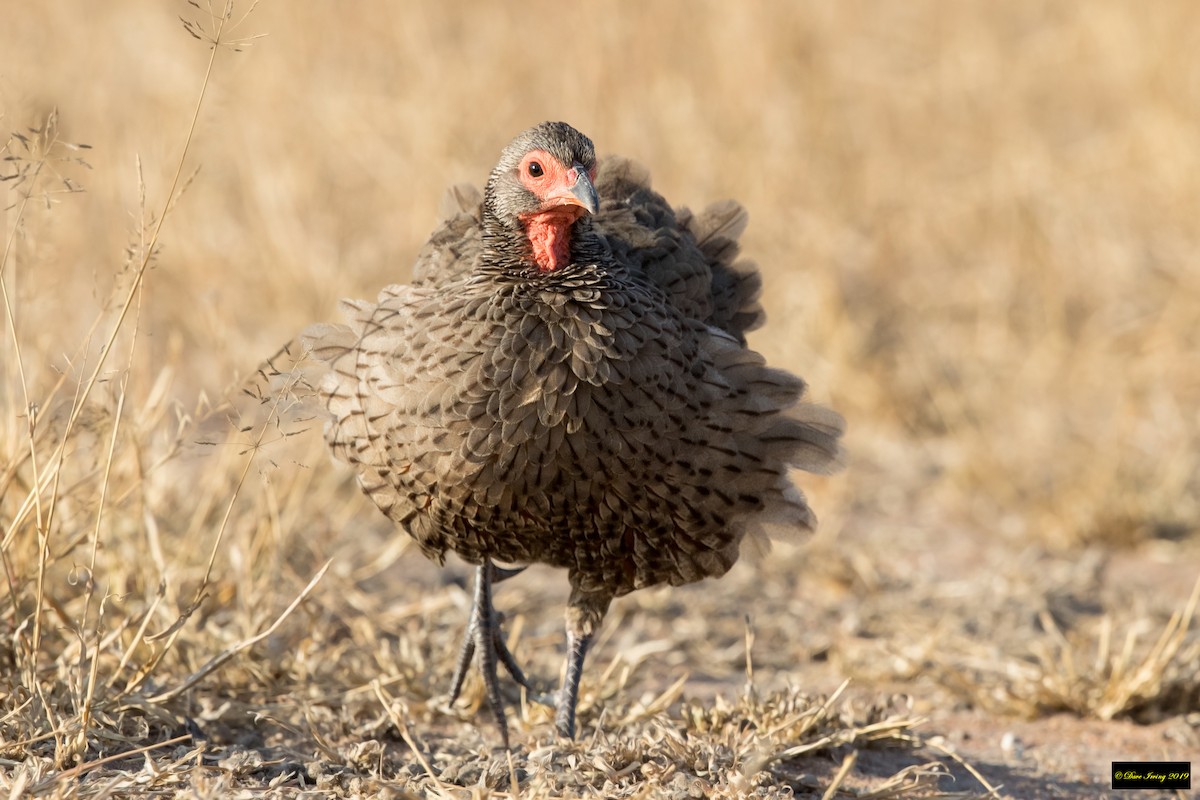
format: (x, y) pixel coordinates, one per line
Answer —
(584, 191)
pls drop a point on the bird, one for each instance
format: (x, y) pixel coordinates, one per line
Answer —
(566, 381)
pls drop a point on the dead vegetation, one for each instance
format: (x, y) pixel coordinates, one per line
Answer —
(976, 226)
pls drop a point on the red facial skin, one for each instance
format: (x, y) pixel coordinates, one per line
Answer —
(549, 228)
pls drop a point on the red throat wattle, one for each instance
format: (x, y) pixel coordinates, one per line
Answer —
(549, 234)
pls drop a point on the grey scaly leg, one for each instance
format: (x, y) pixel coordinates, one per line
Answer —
(485, 637)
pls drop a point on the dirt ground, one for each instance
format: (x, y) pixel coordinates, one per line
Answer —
(984, 600)
(945, 622)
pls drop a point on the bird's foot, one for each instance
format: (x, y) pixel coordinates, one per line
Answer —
(485, 637)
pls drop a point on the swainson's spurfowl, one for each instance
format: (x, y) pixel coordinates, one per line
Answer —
(566, 382)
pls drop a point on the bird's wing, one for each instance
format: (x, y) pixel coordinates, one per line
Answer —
(381, 371)
(453, 249)
(692, 257)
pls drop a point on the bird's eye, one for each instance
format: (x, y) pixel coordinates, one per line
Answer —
(535, 169)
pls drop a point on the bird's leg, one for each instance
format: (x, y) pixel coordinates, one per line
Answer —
(465, 654)
(506, 657)
(485, 636)
(568, 698)
(467, 651)
(585, 610)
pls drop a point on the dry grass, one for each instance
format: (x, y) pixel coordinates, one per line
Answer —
(976, 223)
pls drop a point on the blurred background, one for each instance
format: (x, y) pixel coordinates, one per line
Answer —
(975, 221)
(976, 224)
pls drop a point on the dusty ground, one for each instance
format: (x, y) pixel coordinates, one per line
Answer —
(946, 627)
(976, 223)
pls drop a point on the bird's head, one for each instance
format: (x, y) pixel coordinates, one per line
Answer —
(542, 185)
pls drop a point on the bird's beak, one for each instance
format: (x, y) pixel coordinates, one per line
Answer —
(584, 190)
(577, 190)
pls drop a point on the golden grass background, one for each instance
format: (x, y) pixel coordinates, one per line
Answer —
(976, 223)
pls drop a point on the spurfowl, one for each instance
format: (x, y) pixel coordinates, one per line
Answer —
(566, 382)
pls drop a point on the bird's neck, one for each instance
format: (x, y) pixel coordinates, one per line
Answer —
(540, 242)
(549, 234)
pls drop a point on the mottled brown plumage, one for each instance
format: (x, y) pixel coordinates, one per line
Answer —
(601, 414)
